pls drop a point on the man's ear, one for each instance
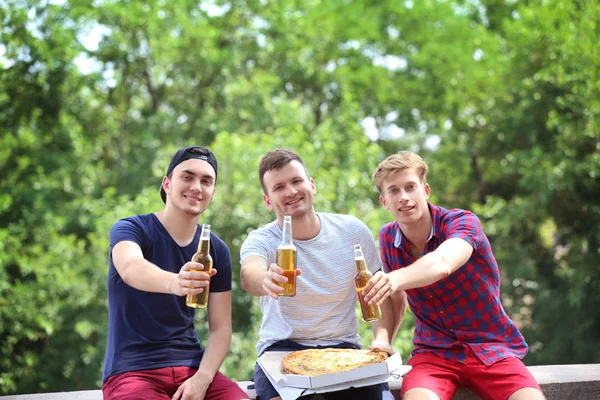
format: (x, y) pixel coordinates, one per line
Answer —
(267, 202)
(427, 191)
(166, 184)
(313, 186)
(383, 202)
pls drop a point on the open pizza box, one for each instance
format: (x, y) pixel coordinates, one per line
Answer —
(291, 387)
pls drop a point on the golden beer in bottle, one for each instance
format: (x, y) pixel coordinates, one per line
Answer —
(203, 257)
(370, 312)
(286, 258)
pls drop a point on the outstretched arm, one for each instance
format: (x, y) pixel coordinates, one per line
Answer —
(260, 281)
(440, 263)
(254, 270)
(141, 274)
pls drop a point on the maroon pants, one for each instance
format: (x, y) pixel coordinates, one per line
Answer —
(162, 383)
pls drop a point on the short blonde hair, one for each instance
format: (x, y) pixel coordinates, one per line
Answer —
(398, 162)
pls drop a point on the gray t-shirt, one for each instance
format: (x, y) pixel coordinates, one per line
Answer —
(323, 310)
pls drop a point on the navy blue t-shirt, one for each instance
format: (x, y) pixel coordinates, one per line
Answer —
(154, 330)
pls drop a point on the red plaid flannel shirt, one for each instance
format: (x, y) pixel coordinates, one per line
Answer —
(463, 309)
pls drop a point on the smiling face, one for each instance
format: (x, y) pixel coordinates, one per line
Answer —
(289, 191)
(190, 187)
(405, 196)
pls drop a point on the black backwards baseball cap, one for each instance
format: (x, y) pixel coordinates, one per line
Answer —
(187, 153)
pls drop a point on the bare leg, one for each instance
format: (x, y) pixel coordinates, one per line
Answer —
(420, 394)
(527, 394)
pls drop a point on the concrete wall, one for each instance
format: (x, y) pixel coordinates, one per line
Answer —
(559, 382)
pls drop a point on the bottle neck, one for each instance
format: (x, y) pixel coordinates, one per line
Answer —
(359, 259)
(286, 235)
(361, 264)
(204, 245)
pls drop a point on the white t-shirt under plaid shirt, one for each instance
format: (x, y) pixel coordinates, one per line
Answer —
(323, 310)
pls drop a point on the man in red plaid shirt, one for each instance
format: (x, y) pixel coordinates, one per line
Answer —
(442, 263)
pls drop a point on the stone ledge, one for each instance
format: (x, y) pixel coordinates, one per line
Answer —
(559, 382)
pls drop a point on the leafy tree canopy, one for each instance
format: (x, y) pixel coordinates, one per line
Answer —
(500, 97)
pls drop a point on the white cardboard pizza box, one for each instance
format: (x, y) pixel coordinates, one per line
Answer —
(366, 371)
(294, 386)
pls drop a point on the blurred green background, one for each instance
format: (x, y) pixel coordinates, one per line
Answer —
(502, 98)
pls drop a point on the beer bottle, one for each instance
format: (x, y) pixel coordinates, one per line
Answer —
(203, 257)
(286, 258)
(370, 312)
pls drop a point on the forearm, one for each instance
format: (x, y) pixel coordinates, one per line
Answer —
(427, 270)
(448, 257)
(252, 277)
(216, 349)
(143, 275)
(392, 315)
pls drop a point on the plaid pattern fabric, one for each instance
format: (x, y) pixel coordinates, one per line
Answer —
(463, 309)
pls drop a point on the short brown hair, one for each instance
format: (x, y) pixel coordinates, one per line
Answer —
(398, 162)
(277, 159)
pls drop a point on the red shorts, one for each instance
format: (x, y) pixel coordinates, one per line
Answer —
(162, 383)
(444, 377)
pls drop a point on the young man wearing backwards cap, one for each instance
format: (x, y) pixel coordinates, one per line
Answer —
(153, 351)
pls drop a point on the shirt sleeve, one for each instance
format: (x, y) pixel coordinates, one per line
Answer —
(121, 231)
(465, 225)
(125, 230)
(258, 244)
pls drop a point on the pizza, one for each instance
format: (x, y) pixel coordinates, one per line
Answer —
(315, 362)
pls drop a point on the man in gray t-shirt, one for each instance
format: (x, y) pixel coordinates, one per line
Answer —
(322, 314)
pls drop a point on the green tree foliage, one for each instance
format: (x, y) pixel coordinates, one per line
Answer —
(557, 161)
(501, 97)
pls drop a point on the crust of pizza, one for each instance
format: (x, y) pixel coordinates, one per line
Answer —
(316, 362)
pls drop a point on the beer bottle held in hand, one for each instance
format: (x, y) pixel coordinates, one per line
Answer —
(370, 312)
(203, 257)
(286, 258)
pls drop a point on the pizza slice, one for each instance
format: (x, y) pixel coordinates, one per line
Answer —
(315, 362)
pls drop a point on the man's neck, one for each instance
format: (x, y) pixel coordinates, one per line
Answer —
(181, 226)
(418, 232)
(306, 226)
